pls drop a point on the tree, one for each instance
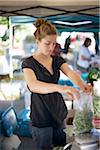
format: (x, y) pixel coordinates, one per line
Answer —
(4, 21)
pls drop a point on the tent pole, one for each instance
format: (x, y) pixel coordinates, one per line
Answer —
(11, 63)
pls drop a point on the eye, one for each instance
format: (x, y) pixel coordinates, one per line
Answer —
(47, 43)
(54, 44)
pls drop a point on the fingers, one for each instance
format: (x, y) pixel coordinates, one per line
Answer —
(70, 96)
(88, 88)
(73, 93)
(76, 96)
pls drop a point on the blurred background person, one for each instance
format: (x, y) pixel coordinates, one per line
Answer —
(68, 54)
(57, 50)
(84, 58)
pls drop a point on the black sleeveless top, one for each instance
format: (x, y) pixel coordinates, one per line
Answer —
(46, 109)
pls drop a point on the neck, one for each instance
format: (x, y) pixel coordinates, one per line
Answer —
(39, 54)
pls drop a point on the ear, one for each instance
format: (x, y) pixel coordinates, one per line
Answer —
(37, 41)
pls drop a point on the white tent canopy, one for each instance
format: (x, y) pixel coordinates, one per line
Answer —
(71, 11)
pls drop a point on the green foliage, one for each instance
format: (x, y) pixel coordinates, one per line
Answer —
(3, 20)
(94, 74)
(5, 37)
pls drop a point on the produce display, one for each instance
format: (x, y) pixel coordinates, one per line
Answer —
(96, 112)
(96, 106)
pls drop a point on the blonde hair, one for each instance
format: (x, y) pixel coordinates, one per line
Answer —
(44, 28)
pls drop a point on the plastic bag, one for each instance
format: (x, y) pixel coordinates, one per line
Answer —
(83, 116)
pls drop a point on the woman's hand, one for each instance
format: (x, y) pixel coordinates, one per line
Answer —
(87, 88)
(71, 92)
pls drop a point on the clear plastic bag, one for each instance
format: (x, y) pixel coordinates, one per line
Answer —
(83, 116)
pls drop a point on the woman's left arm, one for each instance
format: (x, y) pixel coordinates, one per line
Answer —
(75, 78)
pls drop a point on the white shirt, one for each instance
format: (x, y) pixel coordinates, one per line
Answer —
(84, 51)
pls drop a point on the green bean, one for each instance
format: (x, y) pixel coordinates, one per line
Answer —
(82, 121)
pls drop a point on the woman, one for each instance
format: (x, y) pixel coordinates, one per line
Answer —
(83, 62)
(41, 72)
(57, 50)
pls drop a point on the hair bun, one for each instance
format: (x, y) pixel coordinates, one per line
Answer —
(39, 22)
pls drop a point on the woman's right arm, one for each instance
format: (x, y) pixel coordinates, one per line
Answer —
(40, 87)
(85, 58)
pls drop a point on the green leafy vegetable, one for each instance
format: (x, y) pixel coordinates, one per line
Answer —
(94, 74)
(82, 121)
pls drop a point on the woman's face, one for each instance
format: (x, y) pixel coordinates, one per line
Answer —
(47, 44)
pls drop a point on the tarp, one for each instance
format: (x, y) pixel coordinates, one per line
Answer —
(70, 12)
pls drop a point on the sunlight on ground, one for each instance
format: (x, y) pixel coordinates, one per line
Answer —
(10, 91)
